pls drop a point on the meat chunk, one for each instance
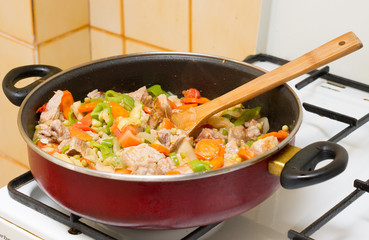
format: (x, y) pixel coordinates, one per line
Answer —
(52, 110)
(237, 134)
(142, 95)
(208, 133)
(144, 160)
(95, 94)
(76, 146)
(252, 130)
(161, 109)
(56, 132)
(165, 164)
(231, 148)
(264, 145)
(169, 140)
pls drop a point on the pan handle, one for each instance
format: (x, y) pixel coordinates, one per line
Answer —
(17, 95)
(300, 170)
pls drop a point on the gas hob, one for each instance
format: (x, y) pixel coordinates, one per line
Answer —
(335, 110)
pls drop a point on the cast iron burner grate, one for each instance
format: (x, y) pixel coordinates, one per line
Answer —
(353, 124)
(76, 226)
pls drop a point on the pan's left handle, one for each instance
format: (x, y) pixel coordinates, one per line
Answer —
(300, 170)
(17, 95)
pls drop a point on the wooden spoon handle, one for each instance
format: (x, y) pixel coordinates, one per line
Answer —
(318, 57)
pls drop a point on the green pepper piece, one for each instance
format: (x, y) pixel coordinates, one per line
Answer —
(105, 151)
(249, 143)
(229, 117)
(71, 117)
(128, 102)
(156, 90)
(199, 166)
(107, 117)
(95, 144)
(247, 115)
(108, 142)
(97, 110)
(174, 157)
(147, 130)
(65, 148)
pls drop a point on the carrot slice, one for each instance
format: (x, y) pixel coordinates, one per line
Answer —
(245, 153)
(160, 148)
(88, 163)
(128, 139)
(147, 110)
(79, 133)
(166, 123)
(85, 123)
(172, 105)
(173, 172)
(217, 162)
(280, 135)
(41, 109)
(88, 107)
(122, 171)
(187, 106)
(208, 149)
(66, 102)
(118, 110)
(200, 100)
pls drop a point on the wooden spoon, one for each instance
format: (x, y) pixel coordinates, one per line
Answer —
(190, 119)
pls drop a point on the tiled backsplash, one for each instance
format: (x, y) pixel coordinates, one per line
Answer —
(66, 33)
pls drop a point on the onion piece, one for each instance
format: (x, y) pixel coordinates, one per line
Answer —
(220, 122)
(265, 122)
(146, 136)
(187, 148)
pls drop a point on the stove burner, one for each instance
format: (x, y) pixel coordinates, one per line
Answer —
(77, 227)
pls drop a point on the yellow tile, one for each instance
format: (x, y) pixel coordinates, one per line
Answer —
(9, 170)
(67, 51)
(106, 15)
(225, 27)
(54, 17)
(104, 44)
(135, 47)
(162, 23)
(16, 19)
(13, 55)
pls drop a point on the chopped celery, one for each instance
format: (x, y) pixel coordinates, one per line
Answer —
(174, 157)
(199, 166)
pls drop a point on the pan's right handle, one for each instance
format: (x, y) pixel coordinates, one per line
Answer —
(300, 170)
(17, 95)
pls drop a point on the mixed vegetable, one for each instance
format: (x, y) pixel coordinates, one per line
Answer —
(132, 133)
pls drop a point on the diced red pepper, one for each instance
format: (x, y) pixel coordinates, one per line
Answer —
(191, 93)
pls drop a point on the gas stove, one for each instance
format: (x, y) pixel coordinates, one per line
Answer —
(335, 109)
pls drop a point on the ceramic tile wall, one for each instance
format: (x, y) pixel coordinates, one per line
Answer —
(67, 33)
(219, 27)
(36, 31)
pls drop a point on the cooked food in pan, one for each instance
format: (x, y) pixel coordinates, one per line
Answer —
(132, 133)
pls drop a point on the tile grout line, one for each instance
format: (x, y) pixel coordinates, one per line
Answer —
(12, 160)
(190, 25)
(122, 27)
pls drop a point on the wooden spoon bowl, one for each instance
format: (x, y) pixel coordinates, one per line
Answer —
(191, 119)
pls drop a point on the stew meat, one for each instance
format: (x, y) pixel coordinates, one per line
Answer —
(133, 134)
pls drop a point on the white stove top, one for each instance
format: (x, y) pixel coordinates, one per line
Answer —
(284, 210)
